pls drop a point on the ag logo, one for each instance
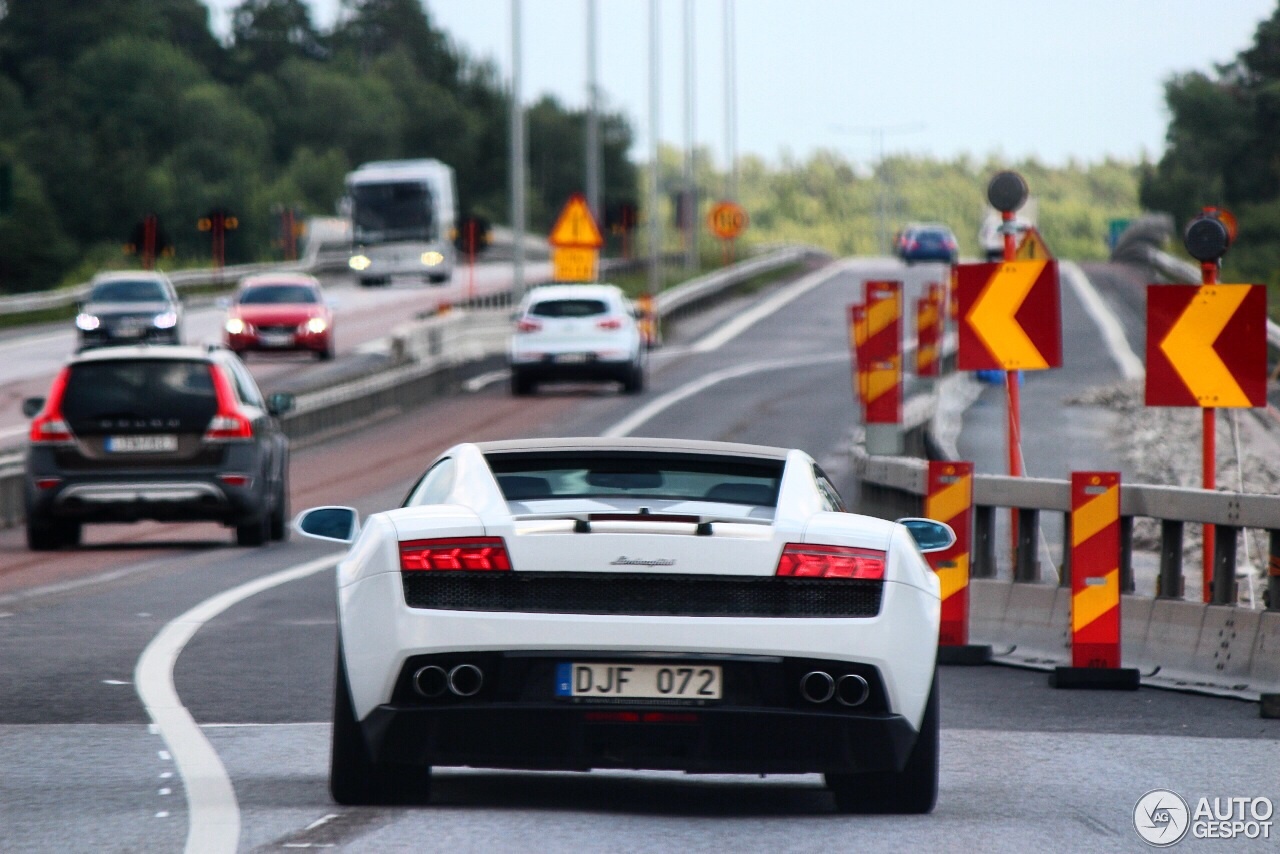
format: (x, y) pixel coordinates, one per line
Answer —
(1161, 818)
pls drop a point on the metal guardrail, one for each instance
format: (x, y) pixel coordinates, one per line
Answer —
(1176, 643)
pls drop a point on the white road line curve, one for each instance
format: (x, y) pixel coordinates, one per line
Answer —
(214, 815)
(671, 398)
(1112, 331)
(753, 315)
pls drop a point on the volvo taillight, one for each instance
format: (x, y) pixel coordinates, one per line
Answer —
(800, 560)
(49, 426)
(229, 423)
(476, 554)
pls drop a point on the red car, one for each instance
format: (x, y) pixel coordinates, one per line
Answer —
(280, 312)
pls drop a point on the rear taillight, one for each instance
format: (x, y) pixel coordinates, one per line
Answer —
(609, 323)
(805, 561)
(526, 325)
(49, 426)
(229, 423)
(476, 554)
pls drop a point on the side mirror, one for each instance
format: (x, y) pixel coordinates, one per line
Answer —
(32, 405)
(334, 524)
(929, 534)
(280, 403)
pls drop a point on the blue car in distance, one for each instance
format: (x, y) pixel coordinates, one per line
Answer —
(927, 242)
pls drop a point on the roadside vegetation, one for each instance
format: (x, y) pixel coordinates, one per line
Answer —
(1224, 150)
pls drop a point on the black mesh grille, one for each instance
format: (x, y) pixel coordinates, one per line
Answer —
(642, 595)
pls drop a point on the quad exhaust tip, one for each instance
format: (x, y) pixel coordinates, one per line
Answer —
(817, 686)
(463, 680)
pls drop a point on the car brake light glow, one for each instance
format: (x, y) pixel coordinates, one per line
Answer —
(609, 323)
(526, 325)
(49, 426)
(236, 479)
(455, 553)
(229, 423)
(805, 561)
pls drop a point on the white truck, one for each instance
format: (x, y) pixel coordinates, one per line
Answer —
(991, 238)
(403, 214)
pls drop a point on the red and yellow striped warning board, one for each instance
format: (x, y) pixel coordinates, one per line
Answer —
(928, 333)
(949, 498)
(881, 354)
(1095, 569)
(857, 336)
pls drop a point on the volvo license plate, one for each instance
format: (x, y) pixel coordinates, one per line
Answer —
(638, 681)
(157, 444)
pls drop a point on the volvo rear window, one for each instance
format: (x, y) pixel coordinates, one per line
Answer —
(569, 308)
(140, 394)
(730, 480)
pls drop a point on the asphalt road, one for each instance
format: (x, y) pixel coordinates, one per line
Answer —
(1023, 767)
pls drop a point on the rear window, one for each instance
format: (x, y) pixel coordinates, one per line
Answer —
(526, 477)
(139, 392)
(278, 295)
(129, 290)
(569, 308)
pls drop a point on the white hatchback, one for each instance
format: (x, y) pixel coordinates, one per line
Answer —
(576, 332)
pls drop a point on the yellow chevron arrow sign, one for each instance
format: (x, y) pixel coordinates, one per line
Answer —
(1189, 346)
(993, 316)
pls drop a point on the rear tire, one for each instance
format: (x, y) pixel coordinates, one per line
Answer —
(280, 513)
(913, 790)
(354, 778)
(43, 535)
(633, 382)
(254, 533)
(522, 384)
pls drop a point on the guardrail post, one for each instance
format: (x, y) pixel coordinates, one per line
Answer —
(1224, 565)
(1169, 585)
(1127, 583)
(1273, 572)
(1064, 577)
(1026, 567)
(984, 542)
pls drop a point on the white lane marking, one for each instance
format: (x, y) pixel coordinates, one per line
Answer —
(478, 382)
(214, 814)
(671, 398)
(1112, 331)
(751, 316)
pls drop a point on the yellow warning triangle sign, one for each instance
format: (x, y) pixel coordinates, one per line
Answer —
(576, 227)
(1032, 248)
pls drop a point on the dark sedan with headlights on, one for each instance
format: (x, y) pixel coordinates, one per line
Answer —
(132, 307)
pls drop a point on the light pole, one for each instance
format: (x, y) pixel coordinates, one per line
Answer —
(689, 199)
(593, 117)
(517, 160)
(730, 104)
(655, 225)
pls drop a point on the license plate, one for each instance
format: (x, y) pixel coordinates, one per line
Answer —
(571, 358)
(156, 444)
(638, 681)
(276, 339)
(130, 331)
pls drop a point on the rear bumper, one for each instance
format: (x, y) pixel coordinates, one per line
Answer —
(192, 499)
(710, 741)
(592, 369)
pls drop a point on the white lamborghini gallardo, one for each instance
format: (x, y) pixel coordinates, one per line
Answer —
(638, 604)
